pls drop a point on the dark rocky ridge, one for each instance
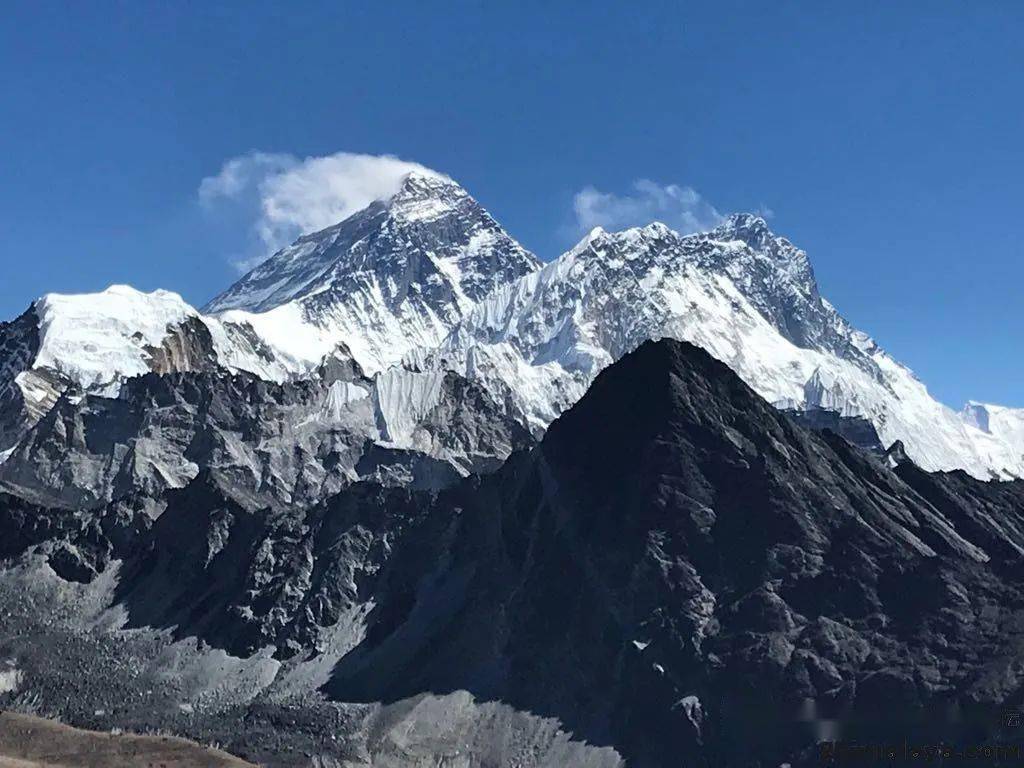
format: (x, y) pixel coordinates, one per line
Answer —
(19, 344)
(244, 579)
(681, 571)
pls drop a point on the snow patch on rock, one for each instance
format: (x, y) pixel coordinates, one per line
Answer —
(10, 680)
(96, 338)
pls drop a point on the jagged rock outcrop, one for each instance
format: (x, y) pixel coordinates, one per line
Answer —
(295, 442)
(25, 395)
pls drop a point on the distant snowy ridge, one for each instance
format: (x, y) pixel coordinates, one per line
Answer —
(99, 339)
(81, 422)
(102, 338)
(744, 294)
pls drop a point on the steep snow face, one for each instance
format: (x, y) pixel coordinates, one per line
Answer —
(740, 292)
(397, 275)
(404, 398)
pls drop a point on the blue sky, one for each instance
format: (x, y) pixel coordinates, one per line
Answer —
(886, 141)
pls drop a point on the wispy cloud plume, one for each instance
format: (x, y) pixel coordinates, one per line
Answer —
(285, 196)
(681, 208)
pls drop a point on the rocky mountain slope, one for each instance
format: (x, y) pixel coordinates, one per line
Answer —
(679, 572)
(291, 442)
(402, 496)
(93, 343)
(682, 572)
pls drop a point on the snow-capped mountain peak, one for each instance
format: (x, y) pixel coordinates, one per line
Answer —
(788, 263)
(93, 342)
(748, 227)
(425, 197)
(431, 226)
(396, 275)
(427, 280)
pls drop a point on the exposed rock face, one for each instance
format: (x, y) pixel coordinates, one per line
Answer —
(22, 402)
(243, 580)
(186, 348)
(855, 429)
(295, 442)
(93, 343)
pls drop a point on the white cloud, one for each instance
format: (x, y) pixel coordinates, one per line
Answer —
(285, 196)
(681, 208)
(240, 174)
